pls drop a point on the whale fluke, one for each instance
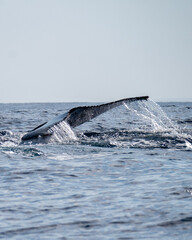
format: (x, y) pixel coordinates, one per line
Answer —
(77, 116)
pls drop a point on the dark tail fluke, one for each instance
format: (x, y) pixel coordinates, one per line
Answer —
(77, 116)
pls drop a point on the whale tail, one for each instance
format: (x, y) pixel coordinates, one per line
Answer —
(77, 116)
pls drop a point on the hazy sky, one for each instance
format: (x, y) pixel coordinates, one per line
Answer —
(95, 50)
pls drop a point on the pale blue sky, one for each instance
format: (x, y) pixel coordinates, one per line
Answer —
(95, 50)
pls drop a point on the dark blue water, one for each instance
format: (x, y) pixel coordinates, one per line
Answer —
(125, 175)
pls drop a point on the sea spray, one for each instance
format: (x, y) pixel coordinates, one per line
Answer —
(62, 132)
(150, 112)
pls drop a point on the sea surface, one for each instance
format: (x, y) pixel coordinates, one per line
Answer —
(126, 174)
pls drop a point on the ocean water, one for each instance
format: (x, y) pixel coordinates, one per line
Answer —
(126, 174)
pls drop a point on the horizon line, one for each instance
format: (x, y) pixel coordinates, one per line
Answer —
(156, 100)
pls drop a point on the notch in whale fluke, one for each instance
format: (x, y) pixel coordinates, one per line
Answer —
(77, 116)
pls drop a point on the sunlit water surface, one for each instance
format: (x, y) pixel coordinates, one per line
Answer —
(125, 175)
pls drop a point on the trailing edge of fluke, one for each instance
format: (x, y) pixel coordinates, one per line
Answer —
(77, 116)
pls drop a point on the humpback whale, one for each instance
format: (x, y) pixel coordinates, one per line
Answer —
(76, 116)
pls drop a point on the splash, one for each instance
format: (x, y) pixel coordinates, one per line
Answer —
(9, 138)
(152, 114)
(155, 120)
(62, 132)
